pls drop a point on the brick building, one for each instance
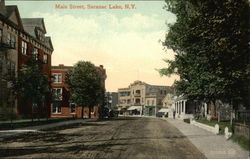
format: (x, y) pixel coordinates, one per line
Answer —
(20, 40)
(142, 98)
(10, 25)
(33, 43)
(61, 106)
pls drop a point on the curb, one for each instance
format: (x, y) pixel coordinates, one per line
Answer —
(15, 132)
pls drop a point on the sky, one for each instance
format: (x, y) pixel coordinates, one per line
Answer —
(125, 41)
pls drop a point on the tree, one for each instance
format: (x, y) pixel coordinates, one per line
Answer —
(31, 84)
(210, 39)
(84, 82)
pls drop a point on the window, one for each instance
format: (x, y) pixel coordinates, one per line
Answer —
(45, 58)
(34, 107)
(159, 102)
(57, 93)
(35, 53)
(58, 78)
(1, 35)
(72, 108)
(11, 69)
(1, 67)
(11, 40)
(92, 110)
(153, 102)
(57, 107)
(40, 35)
(24, 48)
(123, 101)
(128, 101)
(138, 92)
(137, 101)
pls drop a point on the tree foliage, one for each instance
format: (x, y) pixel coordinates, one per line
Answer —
(211, 42)
(84, 81)
(31, 83)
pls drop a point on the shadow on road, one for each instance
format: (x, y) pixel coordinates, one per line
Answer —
(119, 119)
(72, 148)
(77, 125)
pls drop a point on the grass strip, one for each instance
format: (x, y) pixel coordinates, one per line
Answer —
(243, 142)
(9, 126)
(222, 125)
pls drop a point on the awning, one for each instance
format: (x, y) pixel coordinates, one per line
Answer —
(135, 108)
(164, 110)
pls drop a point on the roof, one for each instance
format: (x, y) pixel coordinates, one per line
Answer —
(61, 67)
(10, 10)
(123, 89)
(48, 42)
(135, 108)
(164, 110)
(29, 23)
(6, 13)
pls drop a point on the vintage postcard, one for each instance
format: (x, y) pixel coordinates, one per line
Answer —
(134, 79)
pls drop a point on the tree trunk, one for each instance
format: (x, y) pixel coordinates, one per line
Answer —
(32, 115)
(12, 114)
(212, 109)
(219, 110)
(231, 113)
(89, 112)
(82, 112)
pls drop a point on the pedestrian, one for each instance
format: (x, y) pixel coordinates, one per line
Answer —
(174, 114)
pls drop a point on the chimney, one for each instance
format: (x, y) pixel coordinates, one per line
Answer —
(2, 7)
(101, 66)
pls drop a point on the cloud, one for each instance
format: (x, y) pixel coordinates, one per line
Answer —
(127, 46)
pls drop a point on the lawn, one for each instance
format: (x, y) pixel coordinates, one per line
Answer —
(222, 125)
(241, 141)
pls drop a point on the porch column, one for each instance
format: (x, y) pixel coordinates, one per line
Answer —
(175, 106)
(181, 107)
(205, 109)
(178, 107)
(184, 107)
(179, 104)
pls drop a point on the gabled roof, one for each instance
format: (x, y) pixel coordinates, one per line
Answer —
(48, 42)
(10, 10)
(30, 24)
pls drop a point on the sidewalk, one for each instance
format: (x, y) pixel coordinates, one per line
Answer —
(211, 145)
(21, 120)
(8, 133)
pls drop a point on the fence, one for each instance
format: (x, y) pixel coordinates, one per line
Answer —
(242, 116)
(241, 125)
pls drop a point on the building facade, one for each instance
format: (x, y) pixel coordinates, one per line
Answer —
(61, 105)
(20, 40)
(111, 100)
(141, 98)
(34, 44)
(10, 26)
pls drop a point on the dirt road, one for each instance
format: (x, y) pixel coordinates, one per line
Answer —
(125, 138)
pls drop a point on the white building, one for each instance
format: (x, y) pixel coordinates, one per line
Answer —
(141, 98)
(186, 108)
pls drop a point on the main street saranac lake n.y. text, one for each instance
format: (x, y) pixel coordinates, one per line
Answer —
(90, 6)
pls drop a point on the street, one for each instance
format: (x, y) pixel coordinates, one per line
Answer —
(130, 138)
